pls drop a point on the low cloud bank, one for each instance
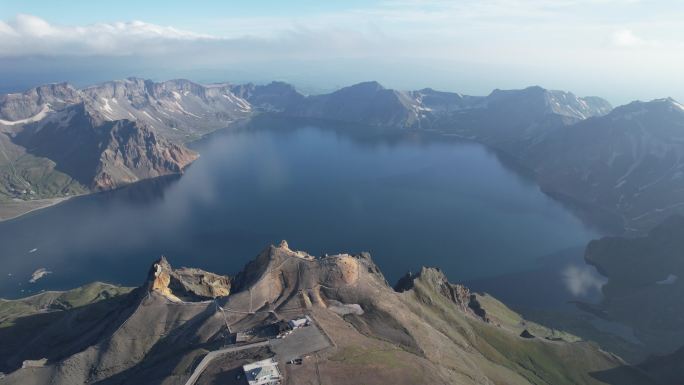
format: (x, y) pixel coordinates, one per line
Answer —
(582, 280)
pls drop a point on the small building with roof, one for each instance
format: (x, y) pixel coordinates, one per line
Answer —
(263, 372)
(300, 322)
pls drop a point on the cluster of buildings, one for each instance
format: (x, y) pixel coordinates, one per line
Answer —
(266, 372)
(280, 329)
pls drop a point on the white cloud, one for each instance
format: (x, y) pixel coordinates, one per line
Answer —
(626, 38)
(31, 35)
(472, 46)
(582, 280)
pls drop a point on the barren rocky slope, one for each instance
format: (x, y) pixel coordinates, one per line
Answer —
(629, 162)
(57, 141)
(426, 331)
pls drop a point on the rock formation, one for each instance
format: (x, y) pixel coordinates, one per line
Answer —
(186, 283)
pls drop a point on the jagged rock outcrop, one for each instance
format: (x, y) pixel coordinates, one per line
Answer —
(186, 284)
(458, 294)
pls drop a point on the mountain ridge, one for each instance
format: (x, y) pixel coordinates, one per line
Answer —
(427, 332)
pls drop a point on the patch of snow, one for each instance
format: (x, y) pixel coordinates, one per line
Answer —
(39, 116)
(181, 109)
(106, 106)
(150, 116)
(583, 103)
(242, 103)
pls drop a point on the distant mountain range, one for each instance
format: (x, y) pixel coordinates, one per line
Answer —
(625, 163)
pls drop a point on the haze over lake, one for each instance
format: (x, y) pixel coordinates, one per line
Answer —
(409, 199)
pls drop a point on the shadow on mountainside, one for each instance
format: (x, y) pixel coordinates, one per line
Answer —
(660, 370)
(624, 374)
(57, 334)
(173, 355)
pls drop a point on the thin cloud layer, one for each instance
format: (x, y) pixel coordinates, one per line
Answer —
(470, 46)
(31, 35)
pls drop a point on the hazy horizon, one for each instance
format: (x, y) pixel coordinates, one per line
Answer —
(621, 50)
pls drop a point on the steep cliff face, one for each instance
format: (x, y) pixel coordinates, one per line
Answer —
(133, 152)
(102, 154)
(363, 331)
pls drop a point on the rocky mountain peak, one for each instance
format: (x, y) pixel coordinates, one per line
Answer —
(185, 284)
(276, 96)
(656, 115)
(540, 100)
(434, 280)
(368, 86)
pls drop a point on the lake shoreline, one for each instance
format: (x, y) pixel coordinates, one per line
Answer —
(18, 209)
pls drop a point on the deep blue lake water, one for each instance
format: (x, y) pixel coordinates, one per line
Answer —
(409, 199)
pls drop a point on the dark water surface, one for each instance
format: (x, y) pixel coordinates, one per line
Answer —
(409, 199)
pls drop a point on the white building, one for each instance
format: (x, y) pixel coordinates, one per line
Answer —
(264, 372)
(299, 322)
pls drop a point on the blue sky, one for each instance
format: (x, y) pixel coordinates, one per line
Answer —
(620, 49)
(175, 12)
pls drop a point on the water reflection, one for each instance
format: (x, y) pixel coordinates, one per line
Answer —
(410, 199)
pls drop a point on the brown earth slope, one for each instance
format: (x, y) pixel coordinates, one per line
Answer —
(426, 331)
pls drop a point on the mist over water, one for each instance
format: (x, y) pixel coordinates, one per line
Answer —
(409, 199)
